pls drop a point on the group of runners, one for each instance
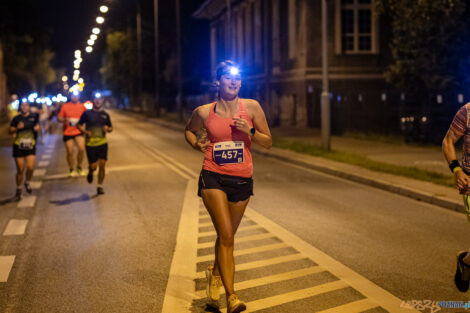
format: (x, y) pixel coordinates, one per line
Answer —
(85, 129)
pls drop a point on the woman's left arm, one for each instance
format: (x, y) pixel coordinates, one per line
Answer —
(262, 134)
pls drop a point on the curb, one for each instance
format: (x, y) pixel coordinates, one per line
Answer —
(380, 184)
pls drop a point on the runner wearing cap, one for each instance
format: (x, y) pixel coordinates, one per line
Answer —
(70, 114)
(225, 182)
(95, 124)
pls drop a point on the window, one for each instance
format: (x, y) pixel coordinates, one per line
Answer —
(358, 29)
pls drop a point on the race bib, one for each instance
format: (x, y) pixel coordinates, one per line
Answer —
(229, 152)
(26, 144)
(73, 121)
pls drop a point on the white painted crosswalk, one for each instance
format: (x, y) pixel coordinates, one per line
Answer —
(15, 227)
(6, 263)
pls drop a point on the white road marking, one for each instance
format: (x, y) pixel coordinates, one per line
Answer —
(27, 202)
(46, 157)
(377, 294)
(36, 184)
(15, 228)
(242, 239)
(180, 290)
(353, 307)
(43, 163)
(6, 263)
(262, 263)
(39, 172)
(271, 279)
(241, 228)
(273, 246)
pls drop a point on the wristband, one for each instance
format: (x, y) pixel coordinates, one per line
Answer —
(453, 165)
(455, 170)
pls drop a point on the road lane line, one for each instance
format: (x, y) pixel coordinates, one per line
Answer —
(40, 172)
(274, 246)
(169, 160)
(46, 157)
(43, 163)
(213, 232)
(206, 224)
(242, 239)
(377, 294)
(15, 228)
(262, 263)
(6, 263)
(294, 296)
(180, 290)
(36, 184)
(108, 170)
(271, 279)
(353, 307)
(27, 202)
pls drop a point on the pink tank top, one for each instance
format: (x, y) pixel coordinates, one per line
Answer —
(220, 130)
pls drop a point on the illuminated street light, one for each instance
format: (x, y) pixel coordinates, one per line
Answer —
(90, 42)
(78, 53)
(76, 72)
(89, 49)
(65, 78)
(80, 80)
(96, 31)
(104, 9)
(100, 20)
(93, 37)
(77, 66)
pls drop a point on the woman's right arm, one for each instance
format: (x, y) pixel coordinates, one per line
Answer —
(195, 124)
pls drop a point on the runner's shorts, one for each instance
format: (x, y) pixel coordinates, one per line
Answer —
(19, 153)
(67, 138)
(97, 153)
(237, 188)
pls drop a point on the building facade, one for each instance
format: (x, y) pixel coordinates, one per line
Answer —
(4, 96)
(278, 45)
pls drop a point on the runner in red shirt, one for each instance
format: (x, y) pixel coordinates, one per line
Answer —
(70, 114)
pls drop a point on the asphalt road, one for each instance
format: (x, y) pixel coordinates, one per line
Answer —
(114, 253)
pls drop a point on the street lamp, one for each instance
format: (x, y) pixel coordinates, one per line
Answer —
(78, 53)
(89, 49)
(96, 31)
(80, 80)
(65, 78)
(90, 42)
(93, 37)
(104, 9)
(76, 72)
(100, 20)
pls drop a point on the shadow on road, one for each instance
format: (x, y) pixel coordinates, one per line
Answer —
(8, 200)
(82, 198)
(203, 305)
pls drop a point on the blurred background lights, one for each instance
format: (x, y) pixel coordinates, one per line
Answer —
(100, 20)
(89, 49)
(104, 9)
(96, 31)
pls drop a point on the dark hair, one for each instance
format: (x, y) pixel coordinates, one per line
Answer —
(223, 67)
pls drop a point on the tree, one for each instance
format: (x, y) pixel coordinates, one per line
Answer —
(119, 71)
(430, 46)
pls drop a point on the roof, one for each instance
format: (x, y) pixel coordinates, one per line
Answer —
(210, 9)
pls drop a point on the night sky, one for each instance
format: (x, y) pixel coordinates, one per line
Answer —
(70, 24)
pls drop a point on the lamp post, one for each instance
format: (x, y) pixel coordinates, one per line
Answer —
(157, 59)
(325, 96)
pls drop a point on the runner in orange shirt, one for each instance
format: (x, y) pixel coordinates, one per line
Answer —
(70, 114)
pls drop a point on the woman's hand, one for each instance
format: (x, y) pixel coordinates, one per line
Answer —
(242, 125)
(461, 179)
(202, 145)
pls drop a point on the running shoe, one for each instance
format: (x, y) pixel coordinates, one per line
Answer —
(18, 195)
(213, 284)
(462, 275)
(89, 177)
(28, 188)
(80, 172)
(235, 305)
(72, 173)
(100, 190)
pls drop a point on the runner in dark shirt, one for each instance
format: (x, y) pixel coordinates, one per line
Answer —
(95, 124)
(24, 128)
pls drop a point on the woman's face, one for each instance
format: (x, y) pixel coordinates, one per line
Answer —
(24, 107)
(230, 85)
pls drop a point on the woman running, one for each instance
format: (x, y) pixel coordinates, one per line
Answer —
(225, 182)
(24, 128)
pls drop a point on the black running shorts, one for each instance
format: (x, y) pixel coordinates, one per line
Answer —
(67, 138)
(237, 188)
(19, 153)
(97, 153)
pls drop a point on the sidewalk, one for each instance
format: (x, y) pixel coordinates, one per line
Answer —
(428, 158)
